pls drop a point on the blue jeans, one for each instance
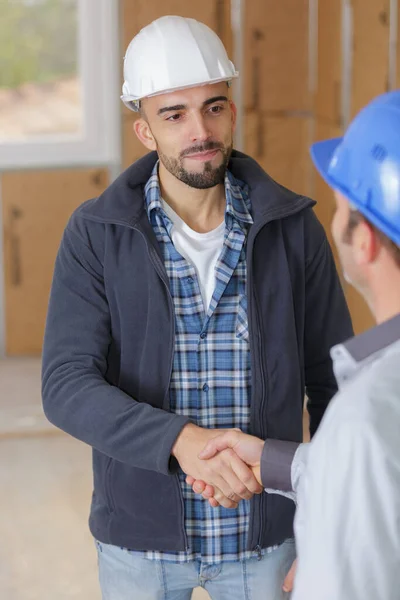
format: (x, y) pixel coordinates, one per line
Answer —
(126, 576)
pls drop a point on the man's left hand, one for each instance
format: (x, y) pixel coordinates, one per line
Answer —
(289, 580)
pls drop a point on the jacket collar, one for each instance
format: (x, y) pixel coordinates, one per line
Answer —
(237, 203)
(362, 350)
(123, 201)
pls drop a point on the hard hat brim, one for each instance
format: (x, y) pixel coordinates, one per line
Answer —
(321, 154)
(128, 99)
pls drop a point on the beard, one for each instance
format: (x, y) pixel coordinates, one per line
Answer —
(209, 177)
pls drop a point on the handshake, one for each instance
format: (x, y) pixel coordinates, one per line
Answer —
(221, 465)
(224, 467)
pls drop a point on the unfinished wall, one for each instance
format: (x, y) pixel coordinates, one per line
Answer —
(283, 112)
(36, 208)
(369, 70)
(369, 78)
(276, 91)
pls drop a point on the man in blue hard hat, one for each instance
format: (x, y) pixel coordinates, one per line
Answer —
(347, 480)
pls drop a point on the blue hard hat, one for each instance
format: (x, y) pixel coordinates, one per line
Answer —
(364, 164)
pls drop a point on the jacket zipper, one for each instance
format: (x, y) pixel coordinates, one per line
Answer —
(262, 430)
(257, 322)
(159, 267)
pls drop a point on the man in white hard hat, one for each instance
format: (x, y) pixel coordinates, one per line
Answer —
(195, 294)
(347, 480)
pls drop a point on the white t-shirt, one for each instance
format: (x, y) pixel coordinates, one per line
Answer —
(202, 250)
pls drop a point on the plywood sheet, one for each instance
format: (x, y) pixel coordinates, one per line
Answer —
(139, 13)
(327, 98)
(371, 54)
(36, 207)
(323, 194)
(276, 55)
(280, 145)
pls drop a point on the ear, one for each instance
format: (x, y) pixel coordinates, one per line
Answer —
(144, 134)
(366, 244)
(234, 115)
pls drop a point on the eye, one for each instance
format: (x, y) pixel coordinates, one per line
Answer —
(216, 109)
(174, 118)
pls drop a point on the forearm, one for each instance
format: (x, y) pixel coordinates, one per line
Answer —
(81, 402)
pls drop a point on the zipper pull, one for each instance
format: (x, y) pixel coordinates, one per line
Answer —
(259, 553)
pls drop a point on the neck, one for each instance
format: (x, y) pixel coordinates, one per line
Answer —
(202, 210)
(387, 308)
(384, 293)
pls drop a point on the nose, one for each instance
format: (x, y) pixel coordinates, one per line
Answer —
(199, 131)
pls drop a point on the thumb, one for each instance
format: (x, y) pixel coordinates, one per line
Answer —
(289, 580)
(217, 444)
(210, 450)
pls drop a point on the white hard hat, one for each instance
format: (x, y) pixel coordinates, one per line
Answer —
(173, 53)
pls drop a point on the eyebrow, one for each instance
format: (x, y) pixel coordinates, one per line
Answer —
(215, 99)
(184, 106)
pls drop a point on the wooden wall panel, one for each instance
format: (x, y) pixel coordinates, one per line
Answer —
(327, 100)
(323, 194)
(280, 145)
(397, 82)
(371, 51)
(276, 56)
(136, 14)
(36, 207)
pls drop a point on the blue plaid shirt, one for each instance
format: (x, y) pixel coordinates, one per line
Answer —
(211, 376)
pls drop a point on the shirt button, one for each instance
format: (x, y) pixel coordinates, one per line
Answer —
(203, 335)
(189, 279)
(205, 388)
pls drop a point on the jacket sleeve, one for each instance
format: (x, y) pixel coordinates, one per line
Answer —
(76, 396)
(327, 320)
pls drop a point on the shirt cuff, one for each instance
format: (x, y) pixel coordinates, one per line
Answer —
(276, 464)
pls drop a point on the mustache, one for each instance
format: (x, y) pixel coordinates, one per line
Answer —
(202, 148)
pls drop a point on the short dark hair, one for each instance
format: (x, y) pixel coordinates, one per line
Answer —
(355, 219)
(141, 112)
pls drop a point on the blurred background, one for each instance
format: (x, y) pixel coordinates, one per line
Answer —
(307, 66)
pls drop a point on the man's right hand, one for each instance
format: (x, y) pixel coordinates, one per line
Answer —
(247, 447)
(225, 471)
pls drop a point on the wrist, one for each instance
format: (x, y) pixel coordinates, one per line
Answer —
(185, 435)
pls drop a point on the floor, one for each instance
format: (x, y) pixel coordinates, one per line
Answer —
(46, 551)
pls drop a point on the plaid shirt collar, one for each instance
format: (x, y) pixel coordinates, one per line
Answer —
(236, 192)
